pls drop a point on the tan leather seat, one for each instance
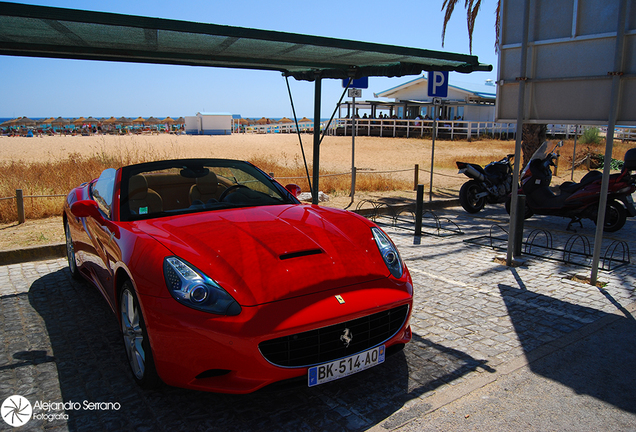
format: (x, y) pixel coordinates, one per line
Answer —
(141, 199)
(206, 188)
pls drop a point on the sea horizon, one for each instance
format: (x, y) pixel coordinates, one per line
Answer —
(4, 119)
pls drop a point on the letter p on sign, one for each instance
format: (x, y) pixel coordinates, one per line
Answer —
(438, 84)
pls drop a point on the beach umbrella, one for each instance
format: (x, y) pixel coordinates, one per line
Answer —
(78, 122)
(180, 120)
(47, 121)
(285, 120)
(124, 121)
(9, 123)
(168, 120)
(91, 120)
(263, 121)
(244, 121)
(110, 121)
(60, 122)
(304, 119)
(25, 121)
(153, 121)
(139, 120)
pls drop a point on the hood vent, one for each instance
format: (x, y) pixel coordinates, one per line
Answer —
(300, 254)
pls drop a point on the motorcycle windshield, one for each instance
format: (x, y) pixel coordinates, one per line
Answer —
(540, 153)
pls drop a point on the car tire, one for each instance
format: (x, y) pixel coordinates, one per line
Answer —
(70, 252)
(467, 195)
(135, 337)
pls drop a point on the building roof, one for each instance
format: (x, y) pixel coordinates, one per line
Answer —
(423, 80)
(41, 31)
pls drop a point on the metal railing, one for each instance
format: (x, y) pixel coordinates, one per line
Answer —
(420, 128)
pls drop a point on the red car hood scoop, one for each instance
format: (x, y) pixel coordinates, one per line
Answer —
(300, 254)
(264, 254)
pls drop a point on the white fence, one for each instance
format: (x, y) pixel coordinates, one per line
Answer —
(418, 128)
(446, 129)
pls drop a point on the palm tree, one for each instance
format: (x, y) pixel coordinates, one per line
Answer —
(532, 135)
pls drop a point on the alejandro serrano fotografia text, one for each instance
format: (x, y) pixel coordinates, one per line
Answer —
(70, 406)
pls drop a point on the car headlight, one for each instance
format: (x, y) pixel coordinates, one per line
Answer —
(389, 252)
(192, 288)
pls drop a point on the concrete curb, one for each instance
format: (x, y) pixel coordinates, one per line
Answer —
(36, 253)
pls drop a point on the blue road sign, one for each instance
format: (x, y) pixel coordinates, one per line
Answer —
(361, 83)
(438, 84)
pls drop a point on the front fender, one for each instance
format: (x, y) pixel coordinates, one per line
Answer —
(628, 202)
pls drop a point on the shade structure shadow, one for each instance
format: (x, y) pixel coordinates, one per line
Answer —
(69, 340)
(602, 365)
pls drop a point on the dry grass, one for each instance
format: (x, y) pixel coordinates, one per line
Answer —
(54, 165)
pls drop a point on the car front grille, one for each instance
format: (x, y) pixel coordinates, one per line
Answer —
(329, 343)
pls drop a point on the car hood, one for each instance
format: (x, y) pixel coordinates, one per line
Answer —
(265, 254)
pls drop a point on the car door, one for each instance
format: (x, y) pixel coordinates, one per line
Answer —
(103, 234)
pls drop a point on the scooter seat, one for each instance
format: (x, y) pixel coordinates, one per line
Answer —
(590, 177)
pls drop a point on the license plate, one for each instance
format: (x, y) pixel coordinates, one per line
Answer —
(347, 366)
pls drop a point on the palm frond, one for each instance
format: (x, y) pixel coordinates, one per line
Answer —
(449, 5)
(472, 10)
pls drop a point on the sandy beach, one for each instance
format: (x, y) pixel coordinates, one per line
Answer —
(371, 153)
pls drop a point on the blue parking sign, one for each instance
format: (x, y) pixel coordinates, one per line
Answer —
(361, 83)
(438, 84)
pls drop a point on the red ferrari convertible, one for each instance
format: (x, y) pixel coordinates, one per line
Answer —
(223, 281)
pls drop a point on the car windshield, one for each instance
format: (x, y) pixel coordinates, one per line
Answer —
(157, 189)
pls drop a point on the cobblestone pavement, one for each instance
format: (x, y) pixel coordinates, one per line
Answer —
(472, 318)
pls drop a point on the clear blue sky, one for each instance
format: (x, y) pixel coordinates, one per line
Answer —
(36, 87)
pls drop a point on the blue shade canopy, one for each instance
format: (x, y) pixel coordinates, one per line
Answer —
(41, 31)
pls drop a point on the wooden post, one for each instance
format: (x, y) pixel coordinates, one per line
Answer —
(419, 208)
(416, 176)
(19, 198)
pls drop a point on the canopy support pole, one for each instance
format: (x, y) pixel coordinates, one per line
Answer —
(512, 231)
(616, 73)
(300, 139)
(316, 160)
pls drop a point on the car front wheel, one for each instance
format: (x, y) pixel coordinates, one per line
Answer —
(135, 338)
(70, 252)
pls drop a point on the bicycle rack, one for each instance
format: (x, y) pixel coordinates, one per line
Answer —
(576, 251)
(405, 218)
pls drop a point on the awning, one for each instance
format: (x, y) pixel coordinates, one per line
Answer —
(40, 31)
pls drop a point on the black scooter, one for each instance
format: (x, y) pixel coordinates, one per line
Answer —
(580, 200)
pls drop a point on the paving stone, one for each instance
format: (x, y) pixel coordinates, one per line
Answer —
(60, 342)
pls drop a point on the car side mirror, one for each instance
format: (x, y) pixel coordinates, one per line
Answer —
(87, 208)
(294, 189)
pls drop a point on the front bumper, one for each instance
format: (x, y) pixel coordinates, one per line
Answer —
(201, 351)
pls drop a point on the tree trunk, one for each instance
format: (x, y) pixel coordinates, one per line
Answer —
(532, 136)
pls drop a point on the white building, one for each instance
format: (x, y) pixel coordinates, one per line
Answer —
(411, 99)
(209, 124)
(464, 113)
